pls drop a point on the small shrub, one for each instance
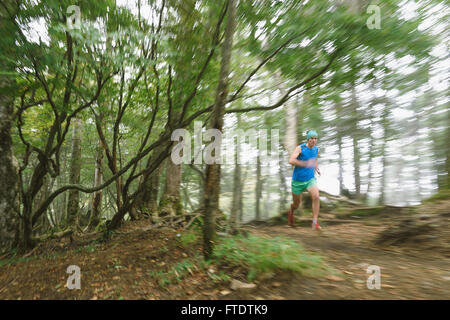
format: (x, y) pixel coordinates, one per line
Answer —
(161, 277)
(220, 277)
(176, 274)
(188, 238)
(260, 256)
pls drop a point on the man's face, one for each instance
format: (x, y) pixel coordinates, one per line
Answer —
(312, 141)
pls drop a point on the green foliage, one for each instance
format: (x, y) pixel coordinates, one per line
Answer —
(106, 235)
(443, 194)
(116, 264)
(90, 248)
(162, 278)
(188, 238)
(261, 255)
(164, 249)
(177, 273)
(220, 277)
(366, 211)
(14, 259)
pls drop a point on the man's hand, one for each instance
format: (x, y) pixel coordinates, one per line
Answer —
(311, 163)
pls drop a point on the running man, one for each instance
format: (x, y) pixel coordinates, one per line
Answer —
(304, 159)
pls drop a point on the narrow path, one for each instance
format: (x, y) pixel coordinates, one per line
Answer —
(349, 249)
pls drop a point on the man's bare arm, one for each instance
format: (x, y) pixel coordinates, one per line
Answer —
(293, 159)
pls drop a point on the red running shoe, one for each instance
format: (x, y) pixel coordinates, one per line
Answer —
(291, 218)
(316, 226)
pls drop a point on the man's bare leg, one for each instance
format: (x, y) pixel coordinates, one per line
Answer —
(296, 201)
(314, 192)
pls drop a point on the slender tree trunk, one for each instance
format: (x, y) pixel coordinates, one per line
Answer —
(267, 206)
(301, 107)
(258, 189)
(369, 182)
(283, 188)
(339, 130)
(291, 127)
(241, 196)
(96, 208)
(355, 136)
(237, 194)
(62, 198)
(385, 124)
(212, 185)
(40, 198)
(9, 188)
(447, 146)
(237, 189)
(75, 170)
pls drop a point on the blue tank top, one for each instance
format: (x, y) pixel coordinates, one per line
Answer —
(302, 173)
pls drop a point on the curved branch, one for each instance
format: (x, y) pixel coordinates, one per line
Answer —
(288, 95)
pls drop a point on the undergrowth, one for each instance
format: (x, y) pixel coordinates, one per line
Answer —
(260, 255)
(443, 194)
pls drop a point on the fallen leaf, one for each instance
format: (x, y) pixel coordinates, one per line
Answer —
(276, 284)
(236, 284)
(348, 272)
(225, 292)
(335, 278)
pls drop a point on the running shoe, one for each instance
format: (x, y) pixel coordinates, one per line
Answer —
(316, 226)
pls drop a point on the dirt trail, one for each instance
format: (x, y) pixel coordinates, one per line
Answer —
(125, 267)
(349, 249)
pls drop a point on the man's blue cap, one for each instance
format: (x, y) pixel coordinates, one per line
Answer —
(311, 133)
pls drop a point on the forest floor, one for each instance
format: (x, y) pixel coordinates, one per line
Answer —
(144, 263)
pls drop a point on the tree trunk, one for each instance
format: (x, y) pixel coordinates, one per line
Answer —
(212, 184)
(299, 117)
(9, 188)
(75, 169)
(339, 129)
(170, 203)
(355, 136)
(385, 124)
(237, 189)
(241, 197)
(290, 141)
(147, 199)
(369, 182)
(283, 188)
(237, 194)
(447, 146)
(267, 206)
(40, 198)
(258, 189)
(96, 208)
